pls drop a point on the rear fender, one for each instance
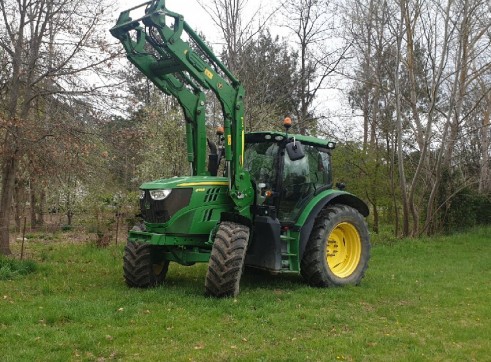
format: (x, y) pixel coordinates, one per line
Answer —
(307, 218)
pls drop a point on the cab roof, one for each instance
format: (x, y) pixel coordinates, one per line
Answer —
(256, 137)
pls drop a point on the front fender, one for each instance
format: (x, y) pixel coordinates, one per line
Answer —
(305, 222)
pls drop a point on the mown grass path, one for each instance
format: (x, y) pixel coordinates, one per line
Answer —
(421, 300)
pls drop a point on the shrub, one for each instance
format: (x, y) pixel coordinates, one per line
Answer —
(11, 268)
(467, 209)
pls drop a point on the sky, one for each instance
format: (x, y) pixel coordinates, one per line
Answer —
(195, 16)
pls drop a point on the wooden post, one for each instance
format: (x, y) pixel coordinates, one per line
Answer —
(23, 238)
(117, 227)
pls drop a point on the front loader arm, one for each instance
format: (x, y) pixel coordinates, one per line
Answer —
(154, 44)
(192, 102)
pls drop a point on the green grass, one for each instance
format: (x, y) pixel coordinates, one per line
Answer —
(421, 300)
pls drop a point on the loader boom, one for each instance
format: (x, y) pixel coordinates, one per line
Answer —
(186, 69)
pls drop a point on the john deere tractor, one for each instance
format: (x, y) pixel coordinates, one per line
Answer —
(261, 199)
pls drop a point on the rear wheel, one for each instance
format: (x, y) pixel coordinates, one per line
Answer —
(338, 249)
(227, 260)
(143, 266)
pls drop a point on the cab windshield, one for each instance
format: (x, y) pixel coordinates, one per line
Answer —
(261, 162)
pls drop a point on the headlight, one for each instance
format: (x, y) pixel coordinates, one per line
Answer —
(159, 194)
(142, 194)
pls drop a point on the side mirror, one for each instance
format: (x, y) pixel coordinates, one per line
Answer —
(295, 150)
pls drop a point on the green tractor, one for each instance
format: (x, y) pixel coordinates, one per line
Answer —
(273, 207)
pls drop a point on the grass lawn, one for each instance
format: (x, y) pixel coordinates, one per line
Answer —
(421, 300)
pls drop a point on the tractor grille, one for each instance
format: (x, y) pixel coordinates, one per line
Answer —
(207, 214)
(160, 211)
(212, 194)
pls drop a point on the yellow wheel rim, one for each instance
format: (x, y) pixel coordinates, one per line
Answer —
(343, 250)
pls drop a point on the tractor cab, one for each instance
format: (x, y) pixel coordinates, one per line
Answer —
(288, 172)
(285, 182)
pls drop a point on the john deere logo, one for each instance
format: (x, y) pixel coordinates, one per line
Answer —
(147, 205)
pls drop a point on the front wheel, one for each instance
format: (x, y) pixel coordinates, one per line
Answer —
(143, 266)
(338, 249)
(226, 260)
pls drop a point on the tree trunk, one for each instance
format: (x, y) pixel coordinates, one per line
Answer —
(391, 156)
(41, 208)
(375, 219)
(400, 153)
(32, 194)
(484, 176)
(18, 201)
(422, 141)
(9, 166)
(69, 212)
(8, 184)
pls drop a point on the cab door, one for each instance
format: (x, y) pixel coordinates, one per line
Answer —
(301, 180)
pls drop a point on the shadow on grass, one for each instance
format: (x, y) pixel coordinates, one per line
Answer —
(191, 280)
(256, 278)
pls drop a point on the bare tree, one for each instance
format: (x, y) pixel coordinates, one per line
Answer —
(237, 28)
(470, 44)
(485, 175)
(313, 24)
(440, 86)
(372, 92)
(399, 33)
(265, 65)
(51, 47)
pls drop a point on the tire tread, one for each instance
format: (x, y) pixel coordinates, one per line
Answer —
(313, 267)
(227, 260)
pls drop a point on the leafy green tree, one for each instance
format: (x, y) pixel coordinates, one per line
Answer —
(367, 175)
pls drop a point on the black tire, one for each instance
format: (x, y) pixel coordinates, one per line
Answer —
(338, 249)
(227, 260)
(143, 266)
